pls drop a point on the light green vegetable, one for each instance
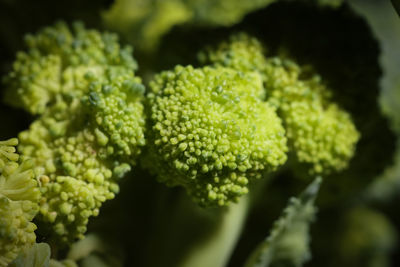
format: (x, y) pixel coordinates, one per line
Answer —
(91, 124)
(19, 195)
(320, 133)
(210, 133)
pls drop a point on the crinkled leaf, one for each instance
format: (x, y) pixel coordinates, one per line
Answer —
(288, 242)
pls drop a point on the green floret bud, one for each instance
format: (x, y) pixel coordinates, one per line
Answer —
(320, 133)
(17, 181)
(16, 228)
(79, 156)
(210, 133)
(118, 114)
(240, 52)
(8, 153)
(57, 60)
(90, 130)
(19, 195)
(75, 173)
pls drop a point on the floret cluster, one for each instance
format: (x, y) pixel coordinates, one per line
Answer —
(89, 130)
(231, 127)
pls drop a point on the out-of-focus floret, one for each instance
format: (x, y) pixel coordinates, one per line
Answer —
(19, 195)
(146, 22)
(320, 133)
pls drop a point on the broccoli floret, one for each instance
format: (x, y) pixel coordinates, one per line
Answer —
(210, 132)
(56, 61)
(241, 52)
(8, 153)
(19, 195)
(89, 132)
(320, 133)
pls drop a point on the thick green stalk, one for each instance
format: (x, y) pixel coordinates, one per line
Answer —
(216, 250)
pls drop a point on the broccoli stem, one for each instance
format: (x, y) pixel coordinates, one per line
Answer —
(216, 250)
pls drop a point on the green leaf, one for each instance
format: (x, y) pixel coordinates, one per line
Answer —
(288, 242)
(36, 256)
(385, 25)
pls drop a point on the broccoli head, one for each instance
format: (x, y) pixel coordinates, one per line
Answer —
(321, 135)
(91, 126)
(210, 132)
(56, 61)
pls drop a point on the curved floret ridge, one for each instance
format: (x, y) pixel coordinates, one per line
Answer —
(19, 195)
(90, 130)
(8, 153)
(56, 60)
(320, 133)
(210, 133)
(17, 230)
(118, 114)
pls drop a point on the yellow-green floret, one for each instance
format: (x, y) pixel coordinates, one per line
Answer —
(56, 60)
(240, 52)
(19, 195)
(210, 133)
(320, 133)
(90, 130)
